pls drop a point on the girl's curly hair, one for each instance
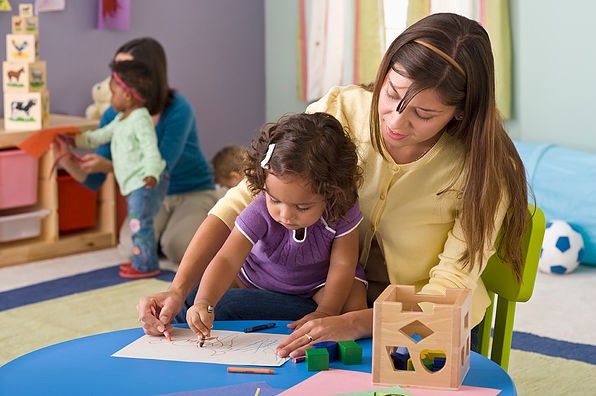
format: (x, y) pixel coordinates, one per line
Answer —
(314, 147)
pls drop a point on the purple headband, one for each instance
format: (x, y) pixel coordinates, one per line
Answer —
(130, 90)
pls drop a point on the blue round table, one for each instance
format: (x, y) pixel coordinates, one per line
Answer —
(85, 366)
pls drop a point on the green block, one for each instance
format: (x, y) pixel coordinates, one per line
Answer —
(350, 352)
(317, 359)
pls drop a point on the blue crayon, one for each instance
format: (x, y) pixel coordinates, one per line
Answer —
(259, 327)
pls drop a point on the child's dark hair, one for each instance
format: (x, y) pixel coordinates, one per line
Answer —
(136, 76)
(312, 146)
(151, 53)
(227, 160)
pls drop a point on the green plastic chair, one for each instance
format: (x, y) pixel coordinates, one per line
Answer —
(505, 292)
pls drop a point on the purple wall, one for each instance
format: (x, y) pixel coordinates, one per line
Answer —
(215, 49)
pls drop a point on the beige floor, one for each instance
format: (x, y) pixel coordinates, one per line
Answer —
(563, 307)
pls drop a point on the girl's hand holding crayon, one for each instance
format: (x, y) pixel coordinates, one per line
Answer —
(200, 319)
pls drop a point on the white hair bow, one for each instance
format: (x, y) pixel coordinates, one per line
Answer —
(265, 162)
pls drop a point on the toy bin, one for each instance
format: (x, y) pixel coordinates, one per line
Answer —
(21, 225)
(18, 179)
(77, 205)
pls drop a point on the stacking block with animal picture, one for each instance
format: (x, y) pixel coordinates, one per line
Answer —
(24, 77)
(25, 22)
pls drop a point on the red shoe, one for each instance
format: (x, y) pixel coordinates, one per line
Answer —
(125, 266)
(131, 273)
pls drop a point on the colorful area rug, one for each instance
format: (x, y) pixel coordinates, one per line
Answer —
(99, 301)
(76, 306)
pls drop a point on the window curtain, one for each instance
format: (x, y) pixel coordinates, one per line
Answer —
(340, 42)
(493, 15)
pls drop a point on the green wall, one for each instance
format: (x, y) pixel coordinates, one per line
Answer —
(281, 84)
(554, 72)
(554, 69)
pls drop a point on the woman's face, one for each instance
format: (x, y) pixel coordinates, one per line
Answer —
(418, 126)
(123, 56)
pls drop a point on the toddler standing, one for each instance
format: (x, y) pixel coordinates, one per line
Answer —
(138, 166)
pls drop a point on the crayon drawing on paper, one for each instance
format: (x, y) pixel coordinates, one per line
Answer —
(224, 347)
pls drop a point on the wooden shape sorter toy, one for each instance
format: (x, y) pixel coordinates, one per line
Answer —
(426, 348)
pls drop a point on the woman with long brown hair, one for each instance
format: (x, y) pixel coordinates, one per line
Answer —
(441, 179)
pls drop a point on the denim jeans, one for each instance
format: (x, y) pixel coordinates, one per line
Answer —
(143, 205)
(254, 304)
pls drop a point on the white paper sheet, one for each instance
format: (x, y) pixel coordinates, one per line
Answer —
(224, 347)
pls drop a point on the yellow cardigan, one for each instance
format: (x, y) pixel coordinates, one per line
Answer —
(417, 230)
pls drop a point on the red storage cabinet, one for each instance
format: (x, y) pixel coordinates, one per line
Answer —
(77, 205)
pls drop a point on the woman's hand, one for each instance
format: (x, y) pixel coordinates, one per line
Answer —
(94, 163)
(156, 311)
(313, 315)
(200, 319)
(349, 326)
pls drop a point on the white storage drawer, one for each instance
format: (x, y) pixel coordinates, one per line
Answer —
(21, 225)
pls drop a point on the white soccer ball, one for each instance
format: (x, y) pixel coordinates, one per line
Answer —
(562, 248)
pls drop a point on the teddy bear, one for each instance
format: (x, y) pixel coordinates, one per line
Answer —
(101, 95)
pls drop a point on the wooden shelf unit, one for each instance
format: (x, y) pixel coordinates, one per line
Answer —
(50, 243)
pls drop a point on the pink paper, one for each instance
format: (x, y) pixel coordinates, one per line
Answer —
(463, 390)
(50, 5)
(334, 381)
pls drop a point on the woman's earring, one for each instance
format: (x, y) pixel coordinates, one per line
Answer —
(459, 117)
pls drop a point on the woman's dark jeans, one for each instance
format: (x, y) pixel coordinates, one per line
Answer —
(255, 304)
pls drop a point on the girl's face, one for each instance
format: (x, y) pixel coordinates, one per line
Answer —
(120, 98)
(291, 202)
(418, 127)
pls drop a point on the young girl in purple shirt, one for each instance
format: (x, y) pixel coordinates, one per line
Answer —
(300, 234)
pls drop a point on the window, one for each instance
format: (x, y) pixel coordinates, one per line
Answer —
(396, 12)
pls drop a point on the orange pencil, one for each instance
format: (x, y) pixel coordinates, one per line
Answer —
(250, 370)
(166, 333)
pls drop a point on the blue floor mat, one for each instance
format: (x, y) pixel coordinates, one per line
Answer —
(69, 285)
